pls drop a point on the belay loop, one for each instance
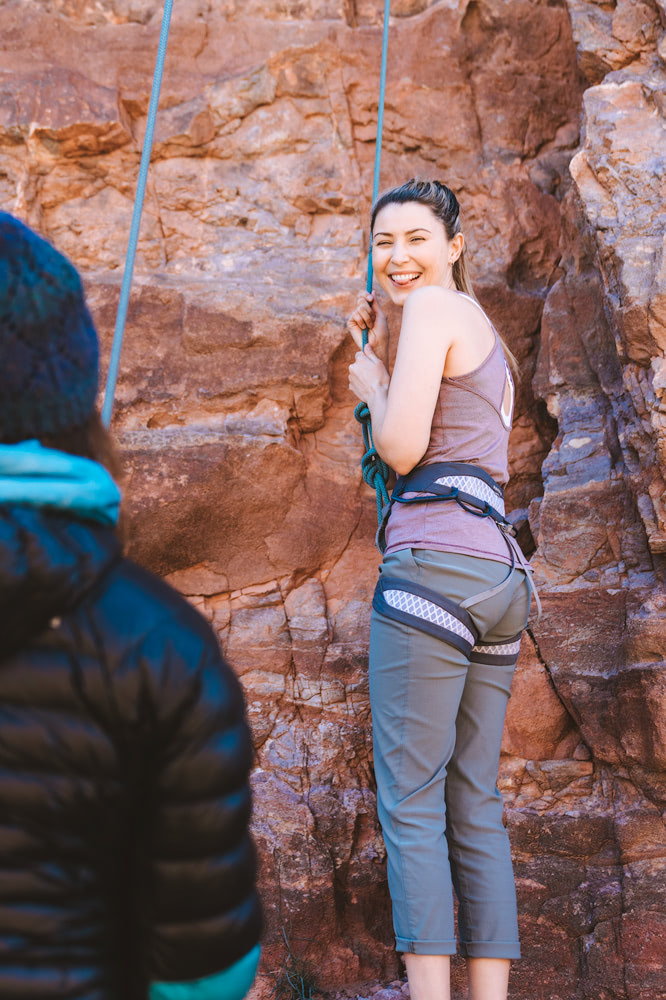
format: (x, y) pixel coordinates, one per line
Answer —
(374, 469)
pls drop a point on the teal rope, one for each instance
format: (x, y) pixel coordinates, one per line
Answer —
(374, 469)
(121, 316)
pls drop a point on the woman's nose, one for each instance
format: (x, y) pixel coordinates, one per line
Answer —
(399, 255)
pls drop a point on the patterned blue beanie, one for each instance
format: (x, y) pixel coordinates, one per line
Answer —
(48, 346)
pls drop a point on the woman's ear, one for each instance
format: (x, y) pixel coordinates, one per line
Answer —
(456, 247)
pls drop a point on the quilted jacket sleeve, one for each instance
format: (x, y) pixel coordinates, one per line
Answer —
(203, 914)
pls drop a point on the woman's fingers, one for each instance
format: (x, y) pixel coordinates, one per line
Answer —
(365, 314)
(361, 361)
(367, 374)
(356, 324)
(365, 317)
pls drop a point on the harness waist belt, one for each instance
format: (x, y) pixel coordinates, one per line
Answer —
(468, 485)
(475, 491)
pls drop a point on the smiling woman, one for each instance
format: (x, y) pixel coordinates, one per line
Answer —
(409, 257)
(452, 598)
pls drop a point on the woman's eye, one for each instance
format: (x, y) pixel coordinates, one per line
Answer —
(417, 239)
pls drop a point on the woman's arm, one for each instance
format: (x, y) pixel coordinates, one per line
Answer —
(403, 405)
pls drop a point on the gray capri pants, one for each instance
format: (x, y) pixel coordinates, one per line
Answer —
(438, 711)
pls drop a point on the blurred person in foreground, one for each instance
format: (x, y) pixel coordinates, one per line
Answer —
(127, 871)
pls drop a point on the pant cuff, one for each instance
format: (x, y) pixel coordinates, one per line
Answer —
(490, 949)
(425, 947)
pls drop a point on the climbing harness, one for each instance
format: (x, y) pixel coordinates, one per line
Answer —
(374, 469)
(473, 489)
(420, 607)
(121, 315)
(429, 611)
(405, 601)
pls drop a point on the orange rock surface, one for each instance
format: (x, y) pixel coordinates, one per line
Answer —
(243, 484)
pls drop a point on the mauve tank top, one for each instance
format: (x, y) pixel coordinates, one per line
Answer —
(470, 424)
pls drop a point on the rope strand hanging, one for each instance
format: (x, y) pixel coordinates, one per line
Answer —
(121, 315)
(374, 469)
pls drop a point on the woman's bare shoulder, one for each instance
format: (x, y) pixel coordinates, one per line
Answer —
(434, 295)
(443, 318)
(447, 304)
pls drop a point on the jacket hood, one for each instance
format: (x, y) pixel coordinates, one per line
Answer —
(48, 563)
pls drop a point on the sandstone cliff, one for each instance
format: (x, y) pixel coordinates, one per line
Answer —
(236, 424)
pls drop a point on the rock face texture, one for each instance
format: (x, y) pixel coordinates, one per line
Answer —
(233, 414)
(600, 527)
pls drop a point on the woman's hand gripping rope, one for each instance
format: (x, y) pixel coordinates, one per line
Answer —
(368, 377)
(368, 318)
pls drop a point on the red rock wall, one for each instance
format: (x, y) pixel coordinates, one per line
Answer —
(236, 424)
(601, 526)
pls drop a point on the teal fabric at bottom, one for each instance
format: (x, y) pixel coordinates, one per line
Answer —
(43, 477)
(231, 984)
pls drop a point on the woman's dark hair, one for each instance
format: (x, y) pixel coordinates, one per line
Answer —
(443, 204)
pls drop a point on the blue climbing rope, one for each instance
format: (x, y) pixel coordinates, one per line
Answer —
(121, 316)
(374, 469)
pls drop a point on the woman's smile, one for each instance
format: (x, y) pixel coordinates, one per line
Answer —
(404, 278)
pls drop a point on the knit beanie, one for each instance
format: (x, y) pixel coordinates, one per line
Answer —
(48, 345)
